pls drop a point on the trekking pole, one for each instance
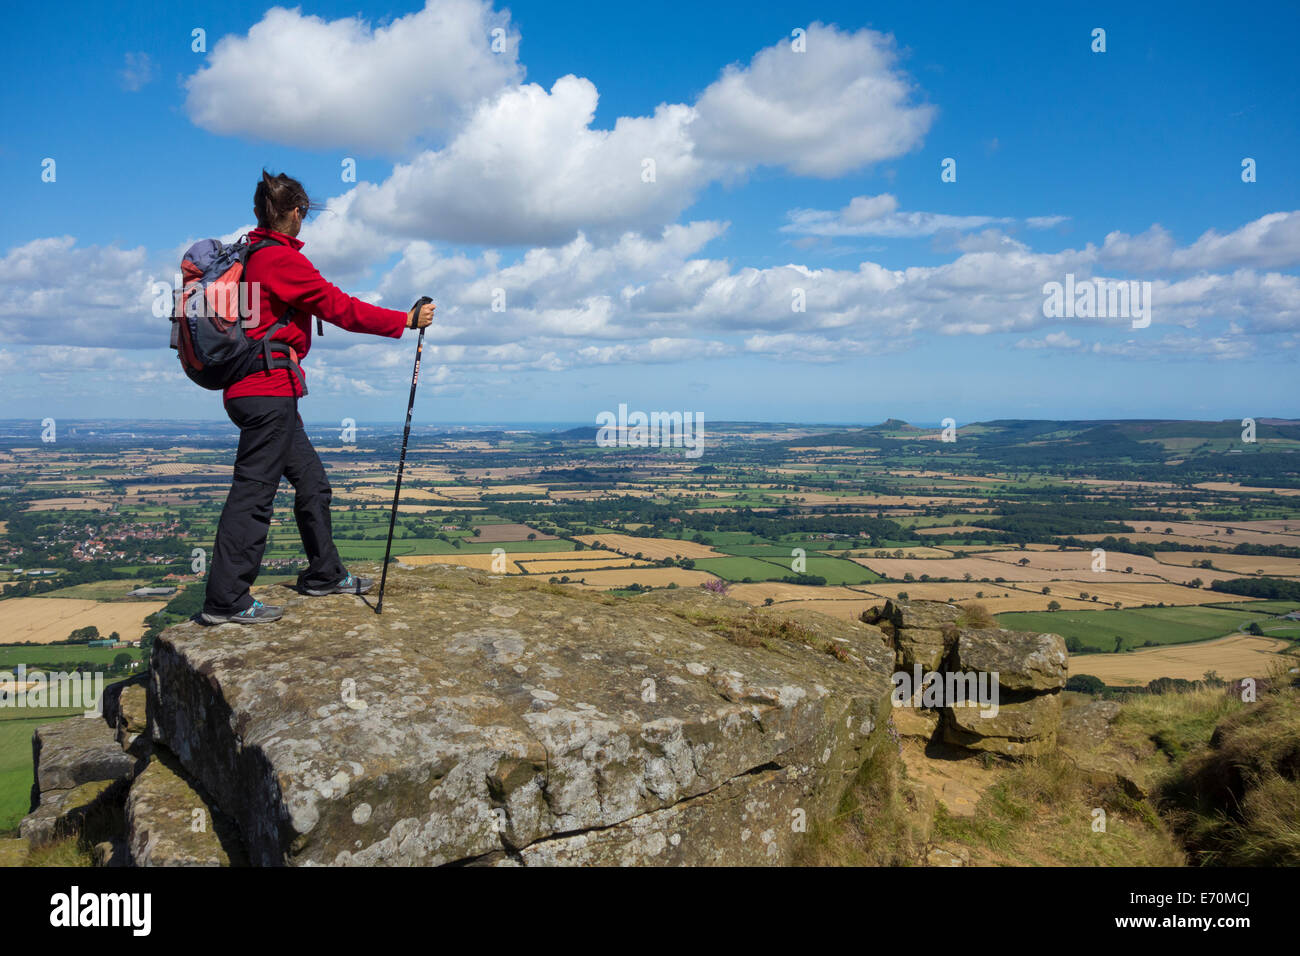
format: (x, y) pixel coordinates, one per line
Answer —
(401, 462)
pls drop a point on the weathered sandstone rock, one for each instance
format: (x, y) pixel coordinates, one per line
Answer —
(170, 824)
(80, 772)
(505, 722)
(1024, 660)
(1035, 716)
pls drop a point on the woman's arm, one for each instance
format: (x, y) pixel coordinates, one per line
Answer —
(294, 280)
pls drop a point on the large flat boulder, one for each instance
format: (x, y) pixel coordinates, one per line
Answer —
(1036, 716)
(501, 721)
(1023, 660)
(81, 776)
(1006, 746)
(76, 751)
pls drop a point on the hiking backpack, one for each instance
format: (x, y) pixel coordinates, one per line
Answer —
(212, 312)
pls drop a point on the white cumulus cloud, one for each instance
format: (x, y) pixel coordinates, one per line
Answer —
(310, 82)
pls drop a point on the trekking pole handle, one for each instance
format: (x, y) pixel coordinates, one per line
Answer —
(420, 303)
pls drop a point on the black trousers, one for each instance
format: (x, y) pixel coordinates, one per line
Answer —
(272, 445)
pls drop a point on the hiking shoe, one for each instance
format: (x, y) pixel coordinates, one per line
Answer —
(352, 584)
(256, 613)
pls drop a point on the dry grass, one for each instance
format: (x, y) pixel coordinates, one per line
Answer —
(879, 821)
(1236, 799)
(71, 504)
(1041, 813)
(70, 851)
(1004, 564)
(976, 615)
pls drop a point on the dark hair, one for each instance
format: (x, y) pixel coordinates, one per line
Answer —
(276, 198)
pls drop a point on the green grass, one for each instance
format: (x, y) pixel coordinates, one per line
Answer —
(1237, 801)
(11, 655)
(737, 569)
(1159, 625)
(1262, 607)
(726, 539)
(100, 590)
(776, 552)
(16, 729)
(840, 571)
(835, 570)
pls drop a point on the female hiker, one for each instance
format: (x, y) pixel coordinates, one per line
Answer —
(272, 442)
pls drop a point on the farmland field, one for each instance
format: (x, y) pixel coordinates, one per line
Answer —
(44, 620)
(1131, 592)
(1078, 565)
(1004, 596)
(16, 729)
(1231, 658)
(648, 577)
(841, 496)
(1260, 606)
(782, 591)
(1137, 626)
(652, 548)
(100, 590)
(510, 532)
(895, 569)
(738, 569)
(1233, 563)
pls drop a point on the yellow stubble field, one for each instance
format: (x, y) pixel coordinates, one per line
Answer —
(780, 591)
(996, 597)
(1233, 657)
(651, 548)
(650, 577)
(1077, 565)
(984, 567)
(71, 504)
(1136, 593)
(535, 563)
(1234, 563)
(46, 620)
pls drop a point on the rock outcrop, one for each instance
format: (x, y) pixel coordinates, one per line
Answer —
(933, 638)
(499, 721)
(81, 773)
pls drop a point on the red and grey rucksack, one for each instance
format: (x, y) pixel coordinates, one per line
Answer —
(214, 306)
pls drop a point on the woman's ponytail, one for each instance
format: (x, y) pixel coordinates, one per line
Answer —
(275, 199)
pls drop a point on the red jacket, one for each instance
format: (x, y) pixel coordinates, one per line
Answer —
(287, 279)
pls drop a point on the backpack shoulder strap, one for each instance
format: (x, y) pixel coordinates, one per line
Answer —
(262, 244)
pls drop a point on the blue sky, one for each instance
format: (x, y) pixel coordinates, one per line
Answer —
(479, 171)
